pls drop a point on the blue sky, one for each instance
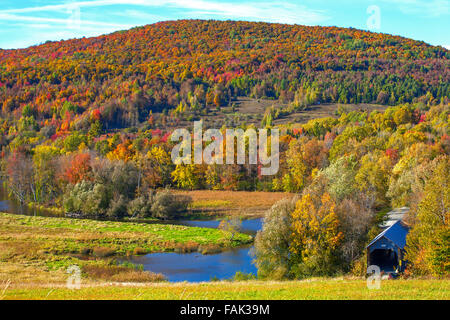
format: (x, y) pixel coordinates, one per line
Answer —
(29, 22)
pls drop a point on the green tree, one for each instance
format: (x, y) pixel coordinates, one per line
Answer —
(272, 255)
(45, 168)
(428, 246)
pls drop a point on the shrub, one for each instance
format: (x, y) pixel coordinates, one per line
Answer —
(242, 276)
(102, 199)
(168, 205)
(231, 225)
(139, 251)
(141, 207)
(187, 247)
(88, 198)
(117, 207)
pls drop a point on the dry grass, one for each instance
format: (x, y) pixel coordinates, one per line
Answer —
(120, 274)
(324, 111)
(38, 250)
(210, 204)
(251, 111)
(187, 247)
(322, 289)
(103, 252)
(139, 251)
(240, 202)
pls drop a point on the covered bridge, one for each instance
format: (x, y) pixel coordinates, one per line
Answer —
(388, 248)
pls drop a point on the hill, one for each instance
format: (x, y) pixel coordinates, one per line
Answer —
(184, 69)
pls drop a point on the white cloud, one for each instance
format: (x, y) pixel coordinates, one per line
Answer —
(64, 6)
(264, 11)
(36, 20)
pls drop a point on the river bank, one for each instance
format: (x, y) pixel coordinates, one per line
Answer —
(40, 249)
(206, 205)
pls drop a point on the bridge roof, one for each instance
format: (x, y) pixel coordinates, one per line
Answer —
(396, 233)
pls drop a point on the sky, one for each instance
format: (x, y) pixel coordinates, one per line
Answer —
(29, 22)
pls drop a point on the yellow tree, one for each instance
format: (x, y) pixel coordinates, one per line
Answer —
(372, 177)
(294, 180)
(428, 241)
(185, 176)
(157, 166)
(315, 236)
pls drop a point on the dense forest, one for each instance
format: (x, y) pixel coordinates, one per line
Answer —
(84, 127)
(193, 65)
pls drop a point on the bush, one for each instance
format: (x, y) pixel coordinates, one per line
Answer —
(139, 251)
(97, 199)
(168, 205)
(87, 198)
(117, 207)
(120, 273)
(141, 207)
(242, 276)
(272, 242)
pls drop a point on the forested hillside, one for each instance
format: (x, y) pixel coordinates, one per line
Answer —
(191, 66)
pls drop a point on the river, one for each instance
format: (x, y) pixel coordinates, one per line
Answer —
(196, 267)
(176, 267)
(12, 206)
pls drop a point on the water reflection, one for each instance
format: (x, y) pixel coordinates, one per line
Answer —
(12, 206)
(249, 226)
(195, 267)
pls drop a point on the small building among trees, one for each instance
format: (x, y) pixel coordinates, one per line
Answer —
(387, 250)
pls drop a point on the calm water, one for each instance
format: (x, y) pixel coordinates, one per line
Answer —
(250, 226)
(195, 267)
(12, 206)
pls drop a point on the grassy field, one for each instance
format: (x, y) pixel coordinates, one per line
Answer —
(292, 290)
(251, 111)
(242, 203)
(39, 249)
